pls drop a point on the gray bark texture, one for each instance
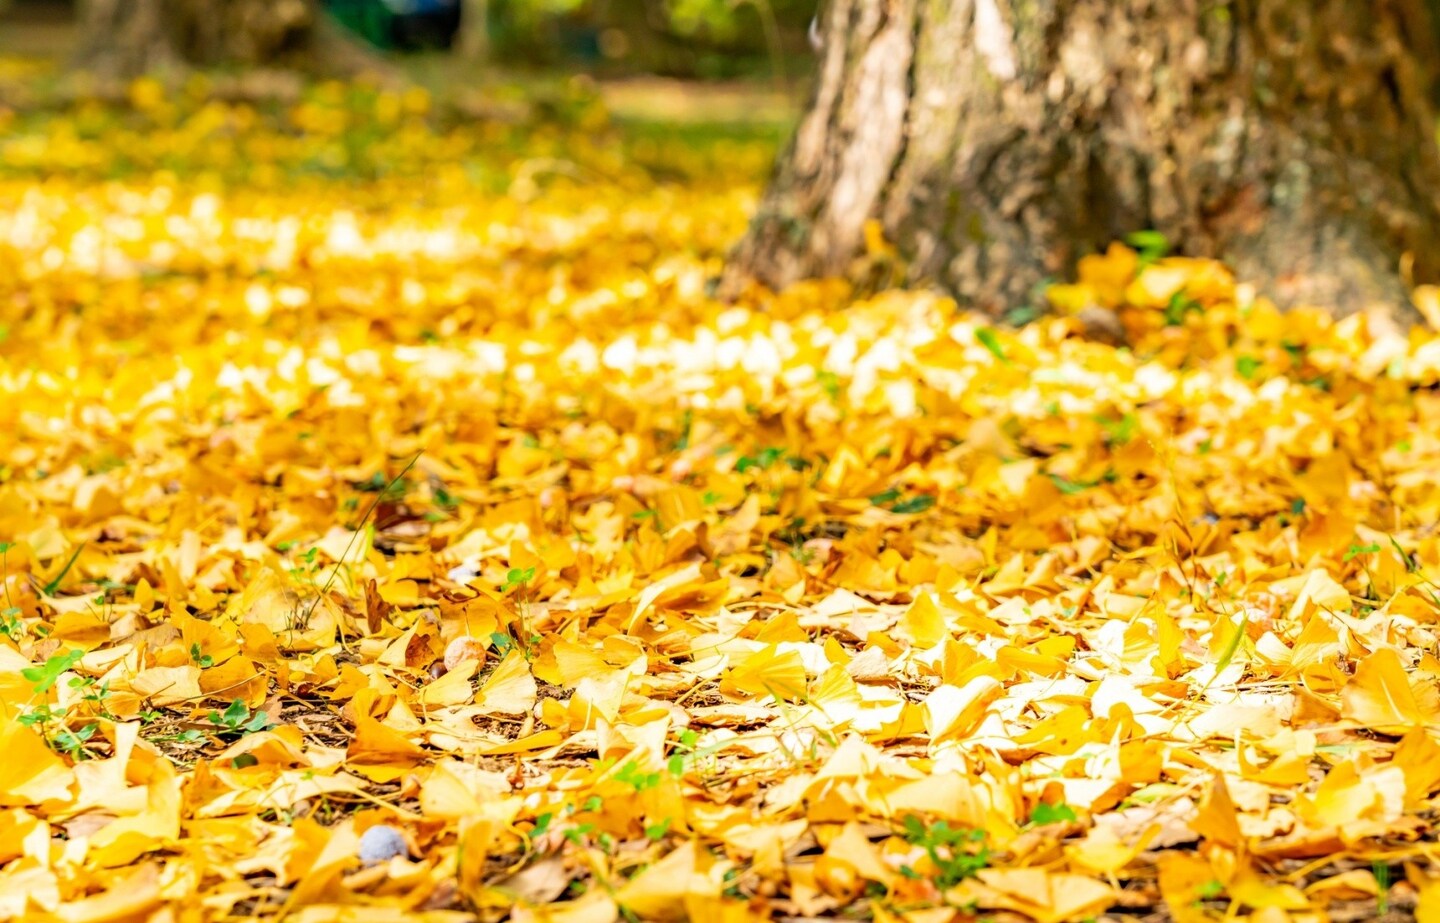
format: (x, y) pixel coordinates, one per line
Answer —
(997, 141)
(125, 38)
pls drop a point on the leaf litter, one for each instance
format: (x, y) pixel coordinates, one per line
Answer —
(392, 524)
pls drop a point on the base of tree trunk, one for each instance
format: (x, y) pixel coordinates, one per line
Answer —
(994, 143)
(122, 39)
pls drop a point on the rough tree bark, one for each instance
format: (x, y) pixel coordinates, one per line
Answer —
(125, 38)
(996, 141)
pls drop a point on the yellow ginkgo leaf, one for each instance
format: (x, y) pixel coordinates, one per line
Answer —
(509, 689)
(1382, 697)
(769, 672)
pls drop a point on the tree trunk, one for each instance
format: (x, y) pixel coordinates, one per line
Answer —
(996, 141)
(125, 38)
(1430, 50)
(473, 42)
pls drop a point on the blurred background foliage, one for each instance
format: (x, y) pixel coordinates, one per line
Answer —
(704, 39)
(681, 38)
(559, 91)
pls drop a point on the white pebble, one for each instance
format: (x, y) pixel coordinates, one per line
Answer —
(463, 574)
(381, 843)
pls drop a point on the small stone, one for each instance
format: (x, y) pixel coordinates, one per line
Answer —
(462, 649)
(381, 843)
(462, 574)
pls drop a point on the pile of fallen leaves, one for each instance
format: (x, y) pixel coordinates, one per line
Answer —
(426, 539)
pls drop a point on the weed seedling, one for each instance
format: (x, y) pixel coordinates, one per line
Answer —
(237, 720)
(1043, 814)
(956, 853)
(631, 775)
(43, 677)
